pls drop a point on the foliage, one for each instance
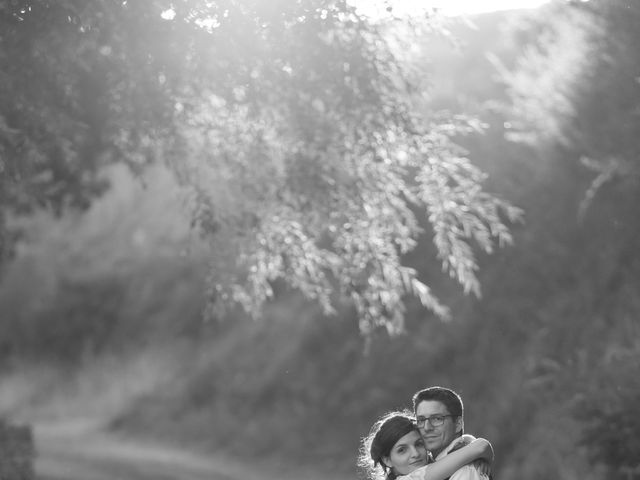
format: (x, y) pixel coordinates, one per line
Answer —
(70, 97)
(18, 453)
(610, 412)
(557, 319)
(577, 85)
(125, 271)
(292, 125)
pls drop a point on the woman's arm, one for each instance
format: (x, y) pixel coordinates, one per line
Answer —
(482, 465)
(446, 466)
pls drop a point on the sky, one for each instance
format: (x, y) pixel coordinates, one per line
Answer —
(447, 7)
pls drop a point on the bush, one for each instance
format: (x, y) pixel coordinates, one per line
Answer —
(610, 410)
(17, 453)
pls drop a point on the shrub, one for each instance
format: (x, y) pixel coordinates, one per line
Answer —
(17, 453)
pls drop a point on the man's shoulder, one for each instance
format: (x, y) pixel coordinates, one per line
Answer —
(466, 472)
(457, 443)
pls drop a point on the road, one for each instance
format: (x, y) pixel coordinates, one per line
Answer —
(81, 451)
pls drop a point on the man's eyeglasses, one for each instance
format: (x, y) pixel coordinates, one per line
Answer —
(434, 420)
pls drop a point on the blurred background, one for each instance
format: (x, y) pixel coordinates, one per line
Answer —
(121, 219)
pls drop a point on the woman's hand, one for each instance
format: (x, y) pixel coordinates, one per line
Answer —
(482, 466)
(483, 446)
(462, 441)
(484, 449)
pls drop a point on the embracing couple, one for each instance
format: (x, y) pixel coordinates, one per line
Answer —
(426, 444)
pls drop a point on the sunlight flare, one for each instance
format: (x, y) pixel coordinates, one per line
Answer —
(376, 8)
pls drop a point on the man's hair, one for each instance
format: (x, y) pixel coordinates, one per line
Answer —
(447, 397)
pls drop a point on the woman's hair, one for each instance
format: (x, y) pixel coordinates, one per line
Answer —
(384, 434)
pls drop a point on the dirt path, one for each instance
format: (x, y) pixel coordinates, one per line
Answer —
(82, 452)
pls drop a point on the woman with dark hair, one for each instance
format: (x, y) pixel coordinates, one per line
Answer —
(394, 450)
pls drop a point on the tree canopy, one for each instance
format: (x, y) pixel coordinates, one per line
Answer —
(578, 86)
(294, 127)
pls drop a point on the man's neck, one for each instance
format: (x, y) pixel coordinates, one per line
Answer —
(437, 452)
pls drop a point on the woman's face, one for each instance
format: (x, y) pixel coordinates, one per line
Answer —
(407, 454)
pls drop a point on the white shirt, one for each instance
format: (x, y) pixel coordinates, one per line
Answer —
(466, 472)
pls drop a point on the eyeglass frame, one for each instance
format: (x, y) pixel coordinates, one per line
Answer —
(421, 421)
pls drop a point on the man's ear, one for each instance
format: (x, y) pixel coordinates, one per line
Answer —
(386, 461)
(459, 425)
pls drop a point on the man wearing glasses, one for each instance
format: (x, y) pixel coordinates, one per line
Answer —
(439, 414)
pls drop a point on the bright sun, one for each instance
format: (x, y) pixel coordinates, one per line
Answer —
(447, 7)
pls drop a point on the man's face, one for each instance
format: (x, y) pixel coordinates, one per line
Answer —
(436, 438)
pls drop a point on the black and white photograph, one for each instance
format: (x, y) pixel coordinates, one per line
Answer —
(319, 239)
